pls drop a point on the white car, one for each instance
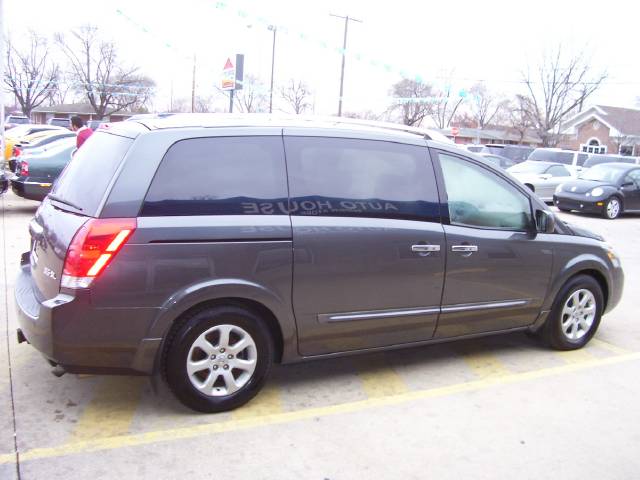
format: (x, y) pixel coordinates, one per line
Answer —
(541, 177)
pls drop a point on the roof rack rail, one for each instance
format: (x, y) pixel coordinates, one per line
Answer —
(398, 127)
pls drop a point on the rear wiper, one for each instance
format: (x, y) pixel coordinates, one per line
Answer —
(65, 202)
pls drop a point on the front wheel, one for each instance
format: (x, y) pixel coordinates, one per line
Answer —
(612, 208)
(575, 315)
(218, 358)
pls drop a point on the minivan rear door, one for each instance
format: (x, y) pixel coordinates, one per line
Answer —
(368, 266)
(75, 198)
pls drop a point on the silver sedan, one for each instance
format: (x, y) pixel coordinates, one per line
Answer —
(541, 177)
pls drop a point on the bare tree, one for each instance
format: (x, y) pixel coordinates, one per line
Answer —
(412, 101)
(444, 108)
(484, 106)
(365, 115)
(296, 94)
(519, 118)
(108, 84)
(559, 85)
(253, 97)
(31, 74)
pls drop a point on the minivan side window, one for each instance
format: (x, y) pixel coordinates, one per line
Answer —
(480, 198)
(220, 176)
(340, 177)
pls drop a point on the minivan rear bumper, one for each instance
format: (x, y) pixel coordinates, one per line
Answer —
(58, 328)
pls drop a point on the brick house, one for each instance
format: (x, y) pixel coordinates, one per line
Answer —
(603, 129)
(83, 110)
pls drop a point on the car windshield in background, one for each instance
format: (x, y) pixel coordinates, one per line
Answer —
(84, 181)
(529, 167)
(541, 154)
(603, 173)
(17, 120)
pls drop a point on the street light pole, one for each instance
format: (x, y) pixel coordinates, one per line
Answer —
(344, 53)
(274, 29)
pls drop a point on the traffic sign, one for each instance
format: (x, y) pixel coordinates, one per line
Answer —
(455, 131)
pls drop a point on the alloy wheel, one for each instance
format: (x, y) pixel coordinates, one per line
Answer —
(222, 360)
(578, 314)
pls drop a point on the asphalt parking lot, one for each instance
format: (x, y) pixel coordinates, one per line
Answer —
(500, 407)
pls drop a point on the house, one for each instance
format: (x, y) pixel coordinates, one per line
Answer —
(492, 134)
(83, 110)
(603, 129)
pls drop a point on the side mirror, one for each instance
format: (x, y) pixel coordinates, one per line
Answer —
(545, 221)
(546, 176)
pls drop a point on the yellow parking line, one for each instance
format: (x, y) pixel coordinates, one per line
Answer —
(609, 346)
(485, 365)
(575, 356)
(382, 382)
(268, 402)
(111, 411)
(111, 443)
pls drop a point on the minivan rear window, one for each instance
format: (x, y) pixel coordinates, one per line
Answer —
(84, 181)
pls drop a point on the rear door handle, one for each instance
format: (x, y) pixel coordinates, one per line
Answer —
(425, 248)
(464, 248)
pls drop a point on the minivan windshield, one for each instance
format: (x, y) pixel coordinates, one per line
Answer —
(84, 181)
(529, 167)
(603, 173)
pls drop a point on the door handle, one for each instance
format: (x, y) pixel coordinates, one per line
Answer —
(464, 248)
(425, 248)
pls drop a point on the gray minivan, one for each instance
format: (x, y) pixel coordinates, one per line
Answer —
(207, 247)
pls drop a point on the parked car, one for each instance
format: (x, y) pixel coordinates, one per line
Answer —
(474, 148)
(15, 120)
(596, 159)
(159, 249)
(502, 162)
(4, 181)
(36, 142)
(609, 189)
(541, 177)
(517, 153)
(36, 172)
(16, 134)
(569, 158)
(60, 122)
(96, 124)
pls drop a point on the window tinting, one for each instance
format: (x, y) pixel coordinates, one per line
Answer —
(480, 198)
(220, 176)
(363, 178)
(86, 178)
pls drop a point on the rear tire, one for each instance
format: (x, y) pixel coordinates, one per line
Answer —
(612, 208)
(218, 358)
(575, 315)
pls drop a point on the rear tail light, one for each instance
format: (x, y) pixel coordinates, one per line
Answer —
(93, 247)
(16, 151)
(24, 169)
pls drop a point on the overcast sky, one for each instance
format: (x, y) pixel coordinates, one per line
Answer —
(452, 43)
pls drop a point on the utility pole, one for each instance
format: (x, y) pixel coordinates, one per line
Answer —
(193, 86)
(344, 53)
(274, 29)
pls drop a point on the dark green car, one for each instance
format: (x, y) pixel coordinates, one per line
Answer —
(35, 173)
